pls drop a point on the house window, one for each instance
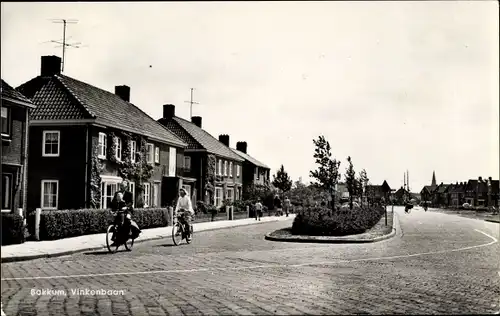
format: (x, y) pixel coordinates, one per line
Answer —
(225, 168)
(102, 146)
(131, 188)
(218, 196)
(156, 195)
(147, 190)
(238, 197)
(230, 195)
(257, 172)
(231, 169)
(6, 191)
(172, 161)
(238, 171)
(219, 167)
(5, 121)
(51, 143)
(133, 150)
(157, 154)
(118, 152)
(108, 190)
(149, 153)
(187, 163)
(50, 194)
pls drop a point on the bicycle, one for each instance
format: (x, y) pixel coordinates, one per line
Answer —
(179, 230)
(117, 230)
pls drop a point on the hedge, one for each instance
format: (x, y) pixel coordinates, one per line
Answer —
(321, 221)
(12, 229)
(71, 223)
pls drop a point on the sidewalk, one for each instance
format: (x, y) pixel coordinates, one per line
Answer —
(53, 248)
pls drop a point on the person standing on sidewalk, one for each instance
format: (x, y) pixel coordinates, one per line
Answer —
(277, 205)
(286, 205)
(258, 210)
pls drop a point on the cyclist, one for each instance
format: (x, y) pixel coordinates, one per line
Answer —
(185, 206)
(118, 206)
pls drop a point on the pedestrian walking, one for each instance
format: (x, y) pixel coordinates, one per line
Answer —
(287, 205)
(258, 210)
(277, 205)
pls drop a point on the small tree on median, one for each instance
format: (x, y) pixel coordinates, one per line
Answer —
(282, 181)
(350, 180)
(327, 175)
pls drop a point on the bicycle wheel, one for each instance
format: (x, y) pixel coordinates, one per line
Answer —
(177, 233)
(129, 244)
(109, 235)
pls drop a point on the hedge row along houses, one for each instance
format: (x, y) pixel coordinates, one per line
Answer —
(476, 192)
(84, 141)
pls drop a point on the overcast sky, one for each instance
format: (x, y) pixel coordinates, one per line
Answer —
(395, 85)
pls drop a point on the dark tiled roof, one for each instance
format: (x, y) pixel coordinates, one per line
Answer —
(180, 132)
(8, 91)
(87, 101)
(207, 141)
(55, 104)
(250, 159)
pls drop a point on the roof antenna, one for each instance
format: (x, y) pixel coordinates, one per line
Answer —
(191, 103)
(64, 44)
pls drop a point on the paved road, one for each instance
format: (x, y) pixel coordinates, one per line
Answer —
(437, 264)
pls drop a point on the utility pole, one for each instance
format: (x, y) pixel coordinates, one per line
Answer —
(64, 44)
(191, 102)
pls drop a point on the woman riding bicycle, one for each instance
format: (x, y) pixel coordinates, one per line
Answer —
(185, 206)
(123, 218)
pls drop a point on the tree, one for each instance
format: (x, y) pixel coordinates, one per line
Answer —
(363, 181)
(350, 180)
(327, 175)
(282, 181)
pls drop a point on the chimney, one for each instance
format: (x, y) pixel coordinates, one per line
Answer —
(123, 92)
(196, 120)
(241, 146)
(224, 139)
(168, 111)
(51, 65)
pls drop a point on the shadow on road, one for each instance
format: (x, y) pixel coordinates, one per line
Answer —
(166, 245)
(99, 253)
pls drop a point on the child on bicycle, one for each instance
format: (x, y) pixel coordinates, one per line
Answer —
(184, 205)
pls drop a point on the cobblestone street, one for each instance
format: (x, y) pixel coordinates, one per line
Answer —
(436, 264)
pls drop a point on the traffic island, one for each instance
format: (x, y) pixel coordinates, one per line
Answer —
(378, 232)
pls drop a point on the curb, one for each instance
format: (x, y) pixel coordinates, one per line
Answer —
(492, 221)
(70, 252)
(333, 240)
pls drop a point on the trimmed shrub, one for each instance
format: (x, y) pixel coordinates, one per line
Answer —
(320, 221)
(72, 223)
(12, 229)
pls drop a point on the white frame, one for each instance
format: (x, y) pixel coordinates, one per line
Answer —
(132, 190)
(102, 145)
(237, 171)
(187, 158)
(219, 189)
(133, 150)
(220, 167)
(258, 173)
(172, 161)
(231, 169)
(156, 195)
(43, 193)
(9, 125)
(118, 151)
(44, 139)
(150, 153)
(157, 154)
(9, 191)
(147, 197)
(225, 168)
(104, 203)
(232, 194)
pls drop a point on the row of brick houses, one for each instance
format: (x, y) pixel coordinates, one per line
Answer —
(83, 141)
(480, 192)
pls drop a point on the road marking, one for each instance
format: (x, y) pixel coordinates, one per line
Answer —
(494, 240)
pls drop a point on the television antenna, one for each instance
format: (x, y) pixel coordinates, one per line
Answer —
(62, 42)
(191, 103)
